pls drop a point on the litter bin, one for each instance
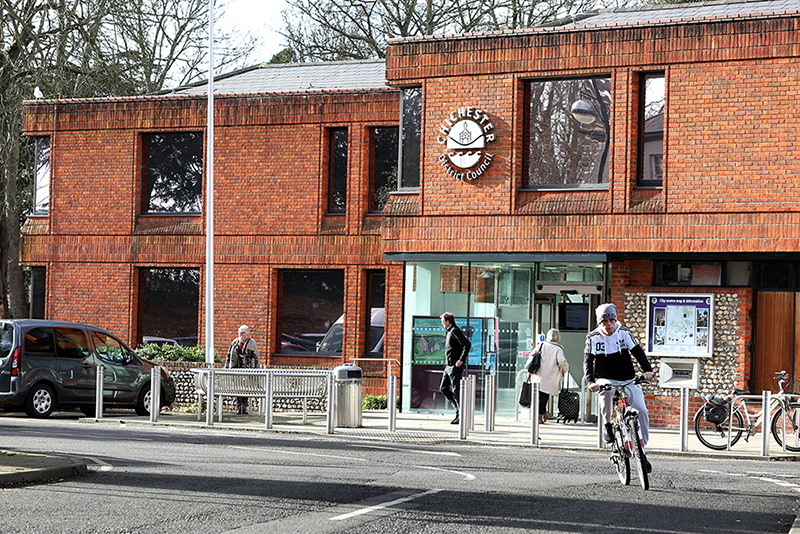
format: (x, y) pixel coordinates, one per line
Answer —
(349, 383)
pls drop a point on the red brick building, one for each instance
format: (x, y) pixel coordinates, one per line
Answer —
(647, 158)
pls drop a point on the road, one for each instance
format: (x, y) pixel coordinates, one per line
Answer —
(167, 479)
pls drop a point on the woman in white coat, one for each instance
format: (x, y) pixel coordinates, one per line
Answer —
(554, 364)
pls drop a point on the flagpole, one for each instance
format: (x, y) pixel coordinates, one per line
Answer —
(210, 194)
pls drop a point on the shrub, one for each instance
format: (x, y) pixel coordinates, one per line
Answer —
(376, 402)
(173, 353)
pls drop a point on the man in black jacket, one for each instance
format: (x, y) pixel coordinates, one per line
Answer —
(456, 350)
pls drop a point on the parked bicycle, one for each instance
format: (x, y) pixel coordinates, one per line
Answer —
(714, 426)
(627, 442)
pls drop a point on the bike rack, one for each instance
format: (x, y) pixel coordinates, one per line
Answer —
(766, 401)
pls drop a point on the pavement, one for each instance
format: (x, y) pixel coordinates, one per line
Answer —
(23, 468)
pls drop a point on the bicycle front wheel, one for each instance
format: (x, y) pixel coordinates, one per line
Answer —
(790, 421)
(715, 436)
(620, 459)
(639, 458)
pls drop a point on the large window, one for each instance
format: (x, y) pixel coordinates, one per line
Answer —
(568, 126)
(383, 165)
(411, 132)
(337, 170)
(41, 184)
(173, 172)
(169, 304)
(651, 130)
(376, 310)
(311, 310)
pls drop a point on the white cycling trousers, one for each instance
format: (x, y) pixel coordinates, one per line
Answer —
(636, 399)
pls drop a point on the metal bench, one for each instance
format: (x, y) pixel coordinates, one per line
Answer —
(265, 384)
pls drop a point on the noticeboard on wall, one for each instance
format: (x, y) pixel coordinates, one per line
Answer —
(680, 324)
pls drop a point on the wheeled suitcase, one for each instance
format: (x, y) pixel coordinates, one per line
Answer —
(569, 406)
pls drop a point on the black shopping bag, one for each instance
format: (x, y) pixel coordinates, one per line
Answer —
(525, 395)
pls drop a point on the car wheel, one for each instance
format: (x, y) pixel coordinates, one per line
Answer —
(40, 402)
(145, 399)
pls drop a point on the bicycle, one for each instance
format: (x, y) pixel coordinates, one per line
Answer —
(627, 441)
(712, 422)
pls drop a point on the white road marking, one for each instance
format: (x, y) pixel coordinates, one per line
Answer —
(389, 504)
(101, 465)
(759, 476)
(419, 451)
(465, 475)
(300, 453)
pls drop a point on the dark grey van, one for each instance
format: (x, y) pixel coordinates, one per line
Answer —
(52, 364)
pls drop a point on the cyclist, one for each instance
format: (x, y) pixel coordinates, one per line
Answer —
(607, 359)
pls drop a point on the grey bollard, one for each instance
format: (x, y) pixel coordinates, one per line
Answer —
(391, 403)
(268, 402)
(766, 401)
(463, 427)
(684, 425)
(155, 393)
(98, 392)
(534, 413)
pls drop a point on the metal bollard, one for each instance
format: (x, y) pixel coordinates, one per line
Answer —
(684, 424)
(331, 404)
(472, 394)
(489, 402)
(601, 442)
(463, 396)
(391, 403)
(268, 402)
(535, 413)
(210, 398)
(98, 392)
(766, 401)
(155, 393)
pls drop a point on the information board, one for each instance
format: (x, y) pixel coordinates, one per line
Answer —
(680, 324)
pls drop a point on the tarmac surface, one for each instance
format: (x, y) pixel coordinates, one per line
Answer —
(23, 468)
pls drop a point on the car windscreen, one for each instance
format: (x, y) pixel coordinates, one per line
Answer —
(6, 339)
(332, 342)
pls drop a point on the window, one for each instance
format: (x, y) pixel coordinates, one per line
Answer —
(311, 310)
(337, 170)
(688, 273)
(169, 304)
(39, 342)
(651, 130)
(383, 165)
(111, 349)
(568, 127)
(38, 292)
(71, 343)
(41, 186)
(174, 172)
(376, 310)
(411, 132)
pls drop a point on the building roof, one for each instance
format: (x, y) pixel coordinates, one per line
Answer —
(297, 77)
(697, 11)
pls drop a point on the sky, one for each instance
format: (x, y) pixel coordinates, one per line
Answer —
(260, 17)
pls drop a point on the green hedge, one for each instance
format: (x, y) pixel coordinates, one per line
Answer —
(376, 402)
(173, 353)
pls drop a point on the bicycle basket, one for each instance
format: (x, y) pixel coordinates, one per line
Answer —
(717, 410)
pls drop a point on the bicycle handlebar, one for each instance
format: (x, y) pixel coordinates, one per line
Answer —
(636, 380)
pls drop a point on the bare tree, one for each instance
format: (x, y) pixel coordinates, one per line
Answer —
(324, 30)
(87, 48)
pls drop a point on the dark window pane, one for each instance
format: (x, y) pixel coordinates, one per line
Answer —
(6, 339)
(38, 293)
(568, 132)
(41, 186)
(174, 181)
(312, 304)
(39, 341)
(337, 171)
(376, 310)
(169, 304)
(411, 129)
(384, 166)
(71, 343)
(651, 130)
(776, 275)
